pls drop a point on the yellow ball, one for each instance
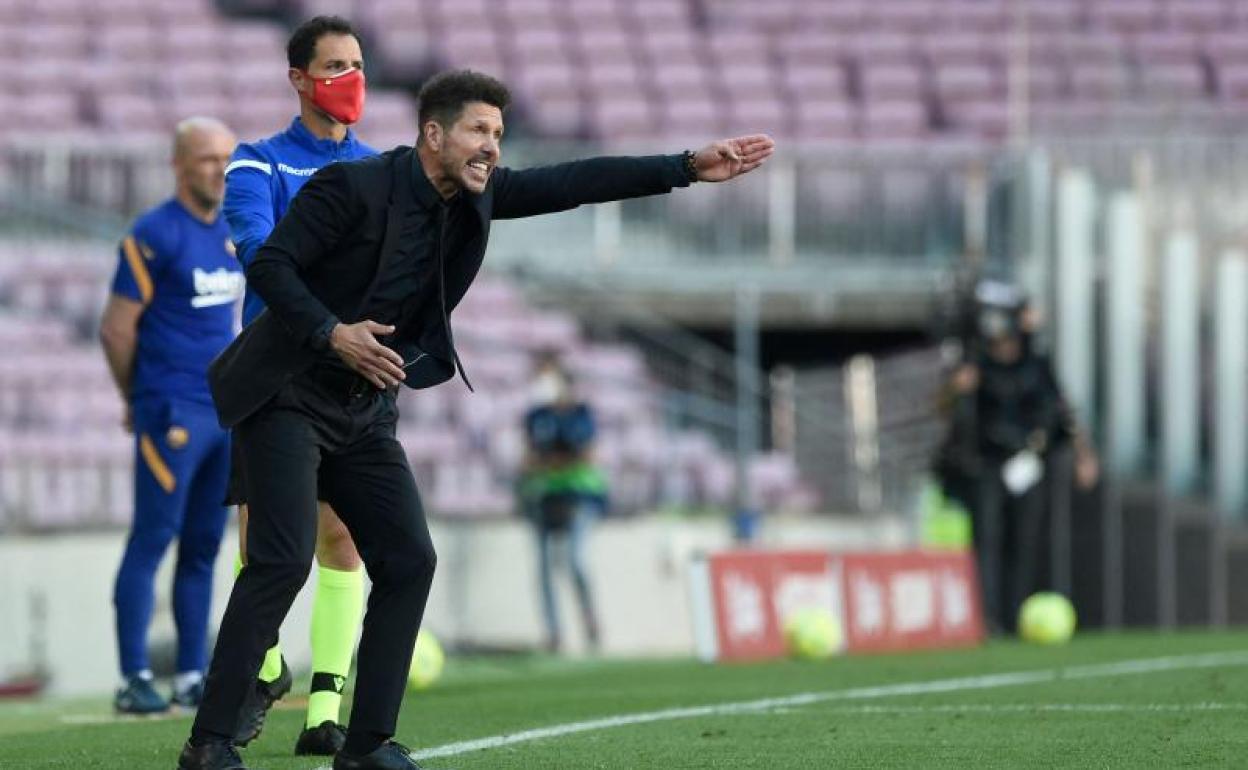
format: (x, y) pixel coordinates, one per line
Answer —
(427, 661)
(1046, 618)
(812, 634)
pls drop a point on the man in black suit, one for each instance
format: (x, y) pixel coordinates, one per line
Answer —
(360, 278)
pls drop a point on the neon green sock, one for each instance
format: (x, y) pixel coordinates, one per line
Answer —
(271, 668)
(336, 611)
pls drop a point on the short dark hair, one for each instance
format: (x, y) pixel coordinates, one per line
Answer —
(301, 48)
(443, 96)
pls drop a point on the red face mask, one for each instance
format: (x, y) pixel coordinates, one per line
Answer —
(341, 96)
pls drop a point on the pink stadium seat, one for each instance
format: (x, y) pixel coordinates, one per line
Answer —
(966, 83)
(1054, 15)
(692, 115)
(198, 41)
(607, 43)
(185, 105)
(623, 116)
(606, 76)
(54, 40)
(536, 45)
(1125, 15)
(905, 15)
(1174, 81)
(738, 47)
(891, 81)
(884, 48)
(256, 76)
(1233, 82)
(248, 39)
(746, 79)
(841, 16)
(893, 119)
(51, 76)
(546, 80)
(954, 47)
(193, 78)
(664, 45)
(46, 112)
(69, 11)
(758, 113)
(1045, 82)
(813, 82)
(974, 15)
(807, 46)
(1098, 81)
(677, 80)
(179, 12)
(586, 15)
(1226, 47)
(1165, 47)
(985, 119)
(127, 42)
(658, 14)
(1092, 48)
(1195, 15)
(819, 119)
(391, 115)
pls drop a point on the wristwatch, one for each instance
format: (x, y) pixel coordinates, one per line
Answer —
(689, 160)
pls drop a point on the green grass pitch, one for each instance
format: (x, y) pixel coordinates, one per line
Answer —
(1002, 705)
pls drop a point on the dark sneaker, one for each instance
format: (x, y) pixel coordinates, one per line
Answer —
(259, 701)
(139, 697)
(387, 756)
(189, 698)
(324, 740)
(210, 756)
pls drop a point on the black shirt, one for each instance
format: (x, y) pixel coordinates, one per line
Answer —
(416, 273)
(415, 276)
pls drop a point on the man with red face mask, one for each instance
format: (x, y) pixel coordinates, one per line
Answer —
(327, 71)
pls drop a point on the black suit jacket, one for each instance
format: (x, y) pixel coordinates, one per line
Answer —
(320, 263)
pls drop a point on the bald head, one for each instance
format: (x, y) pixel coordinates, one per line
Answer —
(196, 129)
(201, 150)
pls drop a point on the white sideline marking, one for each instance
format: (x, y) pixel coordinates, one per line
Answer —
(958, 684)
(1030, 708)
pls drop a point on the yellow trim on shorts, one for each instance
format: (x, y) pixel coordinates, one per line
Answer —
(156, 464)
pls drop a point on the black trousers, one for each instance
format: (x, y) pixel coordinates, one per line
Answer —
(1006, 530)
(305, 435)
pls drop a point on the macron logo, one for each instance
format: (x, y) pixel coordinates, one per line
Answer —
(285, 169)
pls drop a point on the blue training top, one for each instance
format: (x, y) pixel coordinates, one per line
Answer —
(186, 275)
(262, 180)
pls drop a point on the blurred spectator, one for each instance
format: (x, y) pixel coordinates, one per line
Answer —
(561, 489)
(1007, 417)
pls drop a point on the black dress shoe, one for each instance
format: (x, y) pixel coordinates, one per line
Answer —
(324, 740)
(261, 698)
(210, 756)
(387, 756)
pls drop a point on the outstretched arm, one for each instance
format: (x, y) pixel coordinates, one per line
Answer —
(564, 186)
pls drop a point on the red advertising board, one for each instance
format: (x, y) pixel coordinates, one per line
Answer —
(882, 600)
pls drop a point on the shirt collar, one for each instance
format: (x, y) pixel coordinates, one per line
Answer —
(301, 135)
(426, 193)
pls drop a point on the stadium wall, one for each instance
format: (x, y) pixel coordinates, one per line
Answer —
(58, 608)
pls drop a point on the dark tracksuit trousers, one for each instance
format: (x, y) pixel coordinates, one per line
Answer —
(317, 429)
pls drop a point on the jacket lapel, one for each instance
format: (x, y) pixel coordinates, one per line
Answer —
(400, 200)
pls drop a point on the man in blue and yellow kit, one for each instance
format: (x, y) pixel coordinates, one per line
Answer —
(171, 311)
(327, 72)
